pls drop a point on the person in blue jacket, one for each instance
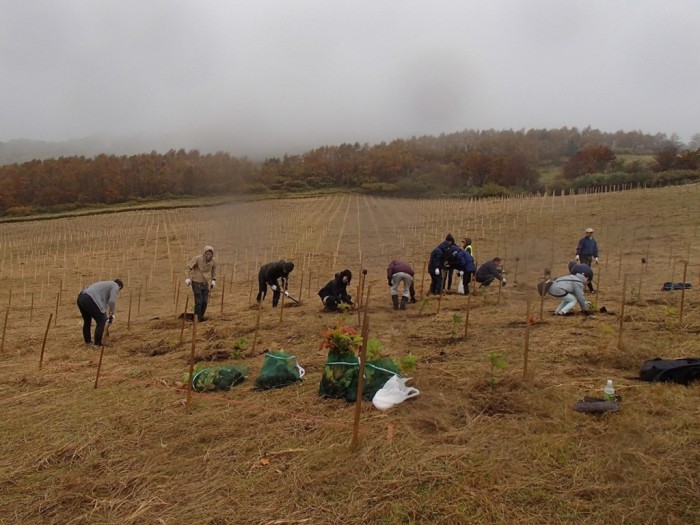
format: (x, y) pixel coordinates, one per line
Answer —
(463, 263)
(585, 269)
(587, 249)
(437, 263)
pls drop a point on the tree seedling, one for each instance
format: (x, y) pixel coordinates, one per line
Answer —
(497, 362)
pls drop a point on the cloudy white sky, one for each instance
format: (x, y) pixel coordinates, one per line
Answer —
(270, 76)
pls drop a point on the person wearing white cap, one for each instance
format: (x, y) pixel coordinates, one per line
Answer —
(587, 249)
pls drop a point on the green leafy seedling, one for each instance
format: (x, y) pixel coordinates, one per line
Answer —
(497, 362)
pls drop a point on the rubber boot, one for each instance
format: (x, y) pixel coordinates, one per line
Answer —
(404, 300)
(395, 301)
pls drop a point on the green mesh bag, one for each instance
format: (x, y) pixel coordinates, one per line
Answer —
(218, 378)
(377, 372)
(339, 375)
(279, 369)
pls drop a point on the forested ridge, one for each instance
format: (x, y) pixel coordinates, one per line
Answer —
(470, 163)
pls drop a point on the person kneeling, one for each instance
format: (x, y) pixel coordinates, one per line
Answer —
(335, 295)
(569, 289)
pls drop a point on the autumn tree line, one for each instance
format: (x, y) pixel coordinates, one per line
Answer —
(469, 163)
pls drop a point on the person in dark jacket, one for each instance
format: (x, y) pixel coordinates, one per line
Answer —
(437, 263)
(490, 271)
(587, 249)
(575, 268)
(99, 302)
(462, 262)
(335, 292)
(401, 272)
(270, 274)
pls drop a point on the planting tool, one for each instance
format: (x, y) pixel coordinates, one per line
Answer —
(286, 293)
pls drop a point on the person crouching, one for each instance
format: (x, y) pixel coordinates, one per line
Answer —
(569, 288)
(335, 294)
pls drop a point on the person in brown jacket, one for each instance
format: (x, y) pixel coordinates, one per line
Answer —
(201, 275)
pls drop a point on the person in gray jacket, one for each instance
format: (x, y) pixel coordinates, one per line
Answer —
(569, 288)
(99, 302)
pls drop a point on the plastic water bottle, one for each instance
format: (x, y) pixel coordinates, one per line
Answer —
(609, 391)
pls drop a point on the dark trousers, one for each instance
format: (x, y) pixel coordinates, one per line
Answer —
(587, 259)
(486, 280)
(89, 311)
(435, 282)
(201, 299)
(449, 271)
(466, 280)
(262, 291)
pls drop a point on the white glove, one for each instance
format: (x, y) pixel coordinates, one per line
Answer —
(274, 288)
(596, 260)
(503, 282)
(111, 319)
(437, 271)
(213, 283)
(188, 281)
(461, 273)
(578, 259)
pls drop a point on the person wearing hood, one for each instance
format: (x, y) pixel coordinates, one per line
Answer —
(201, 275)
(569, 288)
(335, 292)
(437, 263)
(400, 272)
(99, 302)
(271, 274)
(462, 261)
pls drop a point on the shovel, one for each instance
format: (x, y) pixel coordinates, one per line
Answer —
(290, 297)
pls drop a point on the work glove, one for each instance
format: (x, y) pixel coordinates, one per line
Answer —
(437, 271)
(503, 282)
(188, 281)
(596, 260)
(461, 273)
(213, 283)
(274, 288)
(578, 259)
(110, 320)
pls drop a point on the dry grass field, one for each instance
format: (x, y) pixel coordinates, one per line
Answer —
(466, 450)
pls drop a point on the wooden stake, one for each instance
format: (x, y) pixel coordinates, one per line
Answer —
(177, 296)
(685, 275)
(527, 338)
(223, 292)
(360, 382)
(138, 304)
(99, 365)
(257, 327)
(422, 278)
(31, 308)
(466, 315)
(55, 317)
(184, 318)
(194, 345)
(43, 343)
(282, 307)
(301, 284)
(622, 313)
(250, 293)
(128, 318)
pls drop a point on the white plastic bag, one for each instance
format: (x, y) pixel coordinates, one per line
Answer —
(393, 393)
(460, 287)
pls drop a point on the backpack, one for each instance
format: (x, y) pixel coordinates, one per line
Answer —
(543, 287)
(682, 371)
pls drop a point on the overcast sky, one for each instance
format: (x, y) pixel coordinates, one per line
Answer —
(275, 76)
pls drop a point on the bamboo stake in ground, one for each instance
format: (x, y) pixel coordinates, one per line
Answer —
(99, 365)
(184, 318)
(301, 284)
(466, 315)
(257, 327)
(360, 383)
(282, 307)
(223, 292)
(43, 343)
(544, 280)
(128, 317)
(177, 295)
(641, 274)
(138, 304)
(363, 277)
(527, 338)
(622, 312)
(250, 292)
(31, 308)
(442, 290)
(58, 299)
(685, 275)
(422, 278)
(4, 326)
(194, 345)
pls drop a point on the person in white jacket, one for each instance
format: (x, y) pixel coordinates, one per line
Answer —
(569, 288)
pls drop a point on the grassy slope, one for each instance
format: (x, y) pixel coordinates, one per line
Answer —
(462, 452)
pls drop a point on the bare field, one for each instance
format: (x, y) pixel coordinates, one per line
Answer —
(464, 451)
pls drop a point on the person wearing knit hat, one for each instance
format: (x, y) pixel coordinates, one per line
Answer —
(201, 275)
